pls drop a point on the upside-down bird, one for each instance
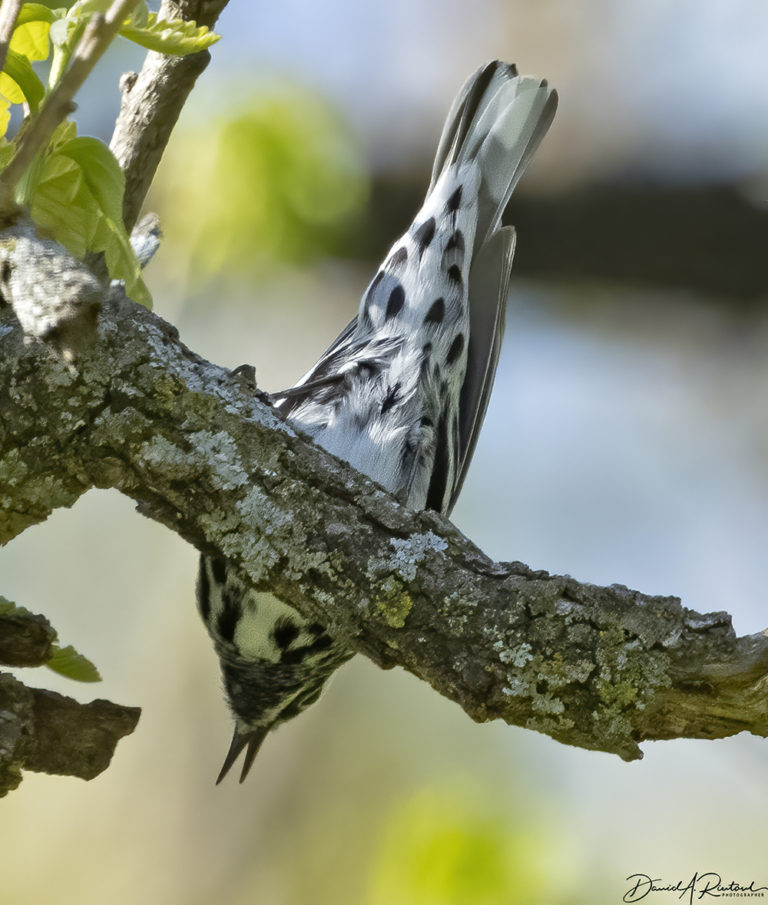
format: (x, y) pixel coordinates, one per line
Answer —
(402, 392)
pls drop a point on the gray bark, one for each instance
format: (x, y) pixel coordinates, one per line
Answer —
(57, 300)
(97, 392)
(44, 731)
(50, 733)
(202, 451)
(151, 103)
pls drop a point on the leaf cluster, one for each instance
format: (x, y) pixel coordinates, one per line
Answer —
(74, 187)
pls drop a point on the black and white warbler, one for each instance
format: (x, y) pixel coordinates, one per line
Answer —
(402, 393)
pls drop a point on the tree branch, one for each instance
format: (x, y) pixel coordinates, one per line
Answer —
(9, 13)
(152, 102)
(49, 733)
(44, 731)
(203, 452)
(25, 638)
(56, 298)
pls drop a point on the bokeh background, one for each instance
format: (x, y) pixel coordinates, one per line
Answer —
(625, 442)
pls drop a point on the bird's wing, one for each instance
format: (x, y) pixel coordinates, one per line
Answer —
(488, 290)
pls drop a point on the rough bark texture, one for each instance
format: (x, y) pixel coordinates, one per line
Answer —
(151, 103)
(50, 733)
(203, 452)
(26, 639)
(44, 731)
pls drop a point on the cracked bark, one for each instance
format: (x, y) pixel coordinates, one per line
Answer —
(57, 299)
(202, 451)
(45, 731)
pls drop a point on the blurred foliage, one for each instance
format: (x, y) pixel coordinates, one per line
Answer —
(450, 845)
(277, 178)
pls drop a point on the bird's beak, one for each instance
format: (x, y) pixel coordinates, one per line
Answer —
(252, 741)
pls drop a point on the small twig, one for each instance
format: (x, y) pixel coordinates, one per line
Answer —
(9, 13)
(152, 102)
(98, 35)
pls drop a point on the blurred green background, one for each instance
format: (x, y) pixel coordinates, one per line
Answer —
(626, 442)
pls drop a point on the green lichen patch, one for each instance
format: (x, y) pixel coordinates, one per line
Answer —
(394, 603)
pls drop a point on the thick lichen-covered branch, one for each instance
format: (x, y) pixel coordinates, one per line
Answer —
(202, 451)
(56, 299)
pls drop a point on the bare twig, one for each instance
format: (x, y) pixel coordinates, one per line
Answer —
(152, 102)
(9, 13)
(97, 36)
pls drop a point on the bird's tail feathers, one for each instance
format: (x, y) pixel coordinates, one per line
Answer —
(498, 119)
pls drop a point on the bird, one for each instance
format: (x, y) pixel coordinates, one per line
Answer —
(401, 393)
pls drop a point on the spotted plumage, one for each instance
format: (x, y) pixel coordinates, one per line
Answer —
(403, 390)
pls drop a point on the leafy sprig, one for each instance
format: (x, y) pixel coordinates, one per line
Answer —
(73, 185)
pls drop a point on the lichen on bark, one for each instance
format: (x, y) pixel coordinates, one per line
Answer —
(204, 453)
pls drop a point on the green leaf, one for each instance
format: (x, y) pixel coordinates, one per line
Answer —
(5, 118)
(9, 608)
(112, 239)
(86, 8)
(101, 172)
(139, 15)
(63, 206)
(60, 201)
(55, 6)
(34, 12)
(18, 74)
(177, 37)
(63, 132)
(9, 90)
(106, 182)
(6, 148)
(31, 39)
(77, 196)
(66, 661)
